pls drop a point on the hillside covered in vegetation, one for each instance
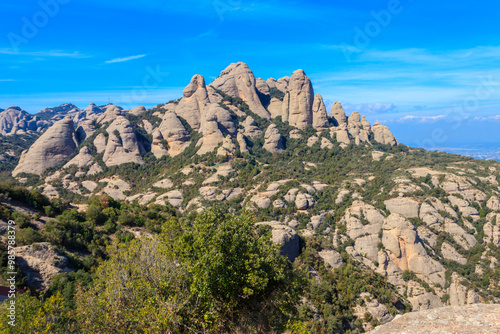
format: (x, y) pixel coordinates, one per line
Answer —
(244, 206)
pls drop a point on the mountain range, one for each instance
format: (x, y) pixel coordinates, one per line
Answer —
(426, 221)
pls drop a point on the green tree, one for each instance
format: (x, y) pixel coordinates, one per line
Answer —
(139, 289)
(237, 276)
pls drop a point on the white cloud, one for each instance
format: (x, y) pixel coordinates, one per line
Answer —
(370, 108)
(47, 53)
(488, 118)
(121, 60)
(421, 119)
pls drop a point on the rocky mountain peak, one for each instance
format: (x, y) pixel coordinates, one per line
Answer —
(194, 99)
(14, 120)
(197, 81)
(301, 98)
(237, 80)
(57, 112)
(338, 114)
(52, 148)
(319, 114)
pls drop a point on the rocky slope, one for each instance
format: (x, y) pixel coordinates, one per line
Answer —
(426, 221)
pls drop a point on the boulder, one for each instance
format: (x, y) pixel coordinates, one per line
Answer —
(261, 201)
(492, 232)
(227, 147)
(283, 83)
(157, 147)
(110, 114)
(100, 142)
(286, 237)
(341, 134)
(325, 143)
(279, 204)
(469, 319)
(365, 124)
(275, 107)
(251, 128)
(52, 148)
(227, 124)
(84, 130)
(92, 111)
(451, 254)
(407, 207)
(331, 257)
(493, 203)
(304, 201)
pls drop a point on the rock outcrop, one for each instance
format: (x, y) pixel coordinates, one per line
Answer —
(40, 262)
(212, 135)
(301, 97)
(479, 318)
(406, 250)
(194, 99)
(262, 86)
(242, 143)
(52, 148)
(15, 121)
(237, 80)
(83, 158)
(319, 114)
(122, 146)
(286, 237)
(92, 111)
(383, 135)
(251, 128)
(157, 145)
(174, 133)
(273, 142)
(338, 114)
(227, 147)
(137, 110)
(112, 112)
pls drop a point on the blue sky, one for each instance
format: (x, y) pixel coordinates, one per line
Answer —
(420, 67)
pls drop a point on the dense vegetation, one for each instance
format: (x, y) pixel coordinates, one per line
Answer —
(212, 272)
(155, 268)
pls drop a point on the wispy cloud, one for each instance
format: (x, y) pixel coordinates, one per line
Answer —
(123, 59)
(45, 53)
(422, 119)
(370, 108)
(489, 118)
(7, 80)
